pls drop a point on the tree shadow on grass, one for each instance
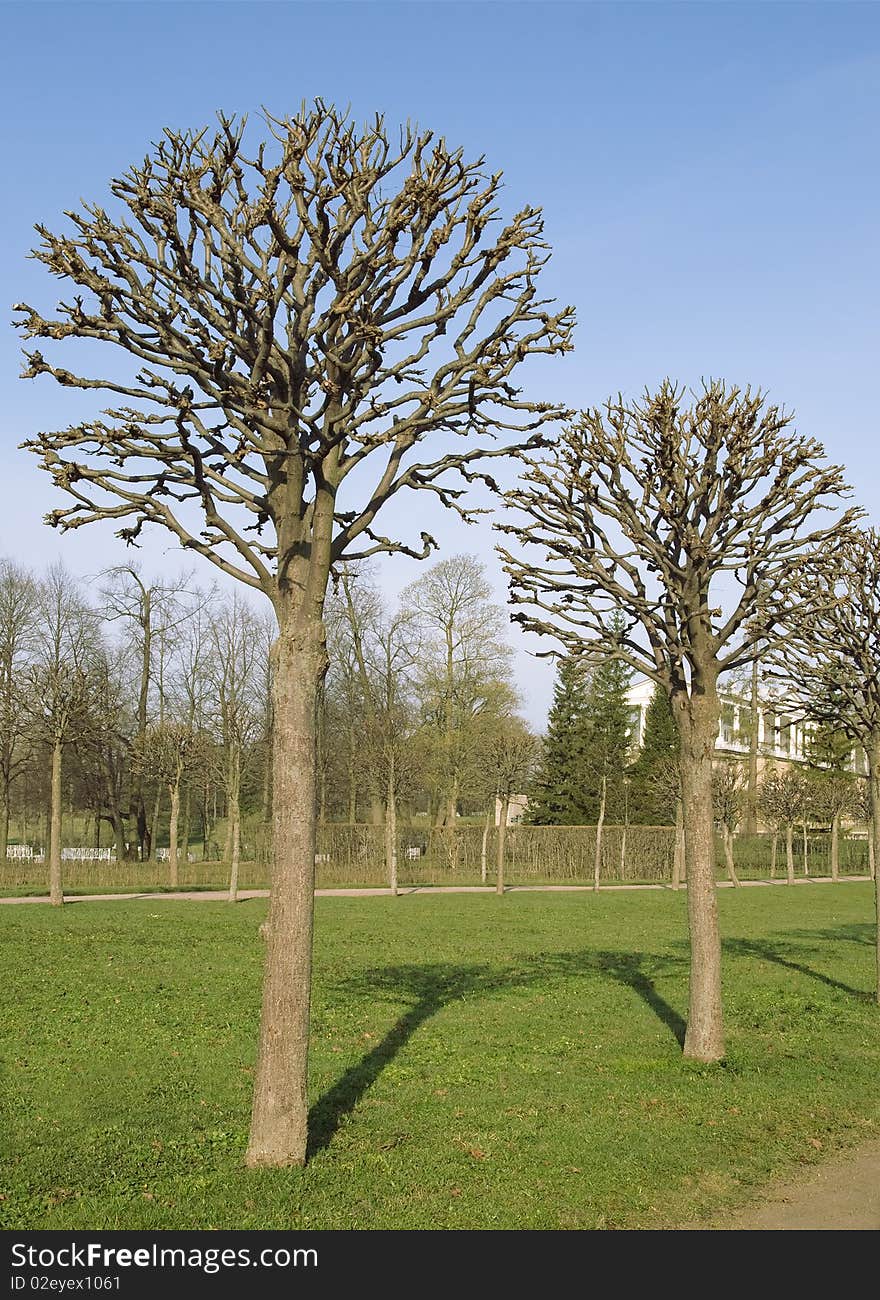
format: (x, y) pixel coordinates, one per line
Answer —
(433, 987)
(782, 953)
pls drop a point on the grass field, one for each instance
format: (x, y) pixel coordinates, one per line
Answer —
(478, 1062)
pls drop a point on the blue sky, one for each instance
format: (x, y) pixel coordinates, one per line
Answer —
(709, 174)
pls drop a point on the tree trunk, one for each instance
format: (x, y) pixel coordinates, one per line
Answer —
(119, 836)
(835, 847)
(279, 1122)
(597, 852)
(789, 853)
(751, 817)
(697, 719)
(234, 819)
(678, 848)
(173, 876)
(502, 843)
(874, 779)
(154, 826)
(483, 845)
(623, 835)
(728, 853)
(56, 897)
(773, 851)
(391, 831)
(4, 826)
(184, 826)
(806, 850)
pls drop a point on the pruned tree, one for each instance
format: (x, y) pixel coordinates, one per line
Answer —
(687, 520)
(782, 798)
(302, 317)
(831, 664)
(727, 799)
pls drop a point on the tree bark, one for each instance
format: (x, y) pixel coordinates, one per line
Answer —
(4, 827)
(234, 819)
(502, 843)
(874, 779)
(789, 853)
(483, 845)
(835, 847)
(597, 852)
(728, 853)
(697, 719)
(154, 826)
(279, 1122)
(774, 847)
(391, 830)
(173, 875)
(56, 896)
(806, 851)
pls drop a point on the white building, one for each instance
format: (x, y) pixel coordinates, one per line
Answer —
(781, 737)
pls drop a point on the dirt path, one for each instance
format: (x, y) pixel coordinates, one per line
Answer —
(842, 1195)
(219, 895)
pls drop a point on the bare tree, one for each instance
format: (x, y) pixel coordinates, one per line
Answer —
(690, 522)
(165, 752)
(782, 798)
(302, 317)
(146, 607)
(831, 663)
(509, 753)
(18, 618)
(235, 673)
(465, 661)
(61, 687)
(727, 800)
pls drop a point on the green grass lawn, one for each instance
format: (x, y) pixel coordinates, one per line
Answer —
(477, 1062)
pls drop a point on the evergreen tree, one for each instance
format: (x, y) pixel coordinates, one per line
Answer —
(557, 794)
(652, 797)
(607, 736)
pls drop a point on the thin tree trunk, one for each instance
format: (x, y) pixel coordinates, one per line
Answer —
(173, 876)
(483, 845)
(773, 851)
(502, 843)
(806, 850)
(835, 847)
(56, 896)
(279, 1122)
(678, 848)
(119, 836)
(597, 852)
(391, 830)
(789, 853)
(751, 817)
(234, 823)
(697, 719)
(4, 826)
(234, 819)
(154, 827)
(184, 826)
(728, 853)
(874, 784)
(623, 847)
